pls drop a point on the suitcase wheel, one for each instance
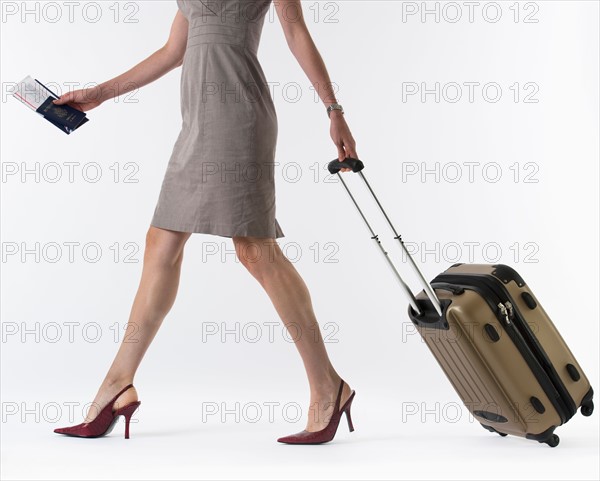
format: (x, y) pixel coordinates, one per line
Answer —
(587, 408)
(552, 441)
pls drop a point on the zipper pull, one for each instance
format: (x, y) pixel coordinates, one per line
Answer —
(504, 311)
(511, 311)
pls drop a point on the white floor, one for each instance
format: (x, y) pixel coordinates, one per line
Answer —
(178, 445)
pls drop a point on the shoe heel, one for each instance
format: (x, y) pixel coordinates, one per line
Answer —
(349, 417)
(128, 411)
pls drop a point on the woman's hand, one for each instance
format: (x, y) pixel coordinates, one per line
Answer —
(83, 99)
(342, 138)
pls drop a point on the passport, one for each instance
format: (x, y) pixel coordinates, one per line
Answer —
(35, 95)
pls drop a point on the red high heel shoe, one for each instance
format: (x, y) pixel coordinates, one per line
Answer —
(326, 434)
(105, 421)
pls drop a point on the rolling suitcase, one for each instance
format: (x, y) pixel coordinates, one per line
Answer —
(494, 341)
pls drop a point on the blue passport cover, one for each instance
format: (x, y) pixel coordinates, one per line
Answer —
(65, 117)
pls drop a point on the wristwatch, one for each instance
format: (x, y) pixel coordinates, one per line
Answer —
(334, 106)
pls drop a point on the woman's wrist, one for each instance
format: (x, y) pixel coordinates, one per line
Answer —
(111, 89)
(334, 106)
(336, 114)
(100, 93)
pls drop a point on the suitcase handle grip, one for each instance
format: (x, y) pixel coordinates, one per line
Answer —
(355, 164)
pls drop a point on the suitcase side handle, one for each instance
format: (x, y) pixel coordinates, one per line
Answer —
(350, 162)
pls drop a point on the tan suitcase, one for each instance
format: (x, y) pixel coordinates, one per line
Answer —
(494, 341)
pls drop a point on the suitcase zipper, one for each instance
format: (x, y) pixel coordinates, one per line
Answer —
(506, 311)
(509, 306)
(522, 336)
(533, 345)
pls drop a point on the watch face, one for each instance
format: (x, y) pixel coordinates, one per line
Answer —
(334, 107)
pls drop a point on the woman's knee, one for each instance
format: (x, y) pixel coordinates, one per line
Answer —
(165, 246)
(257, 253)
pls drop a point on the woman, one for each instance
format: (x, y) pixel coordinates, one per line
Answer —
(229, 127)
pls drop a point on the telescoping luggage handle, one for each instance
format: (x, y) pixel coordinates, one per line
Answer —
(357, 166)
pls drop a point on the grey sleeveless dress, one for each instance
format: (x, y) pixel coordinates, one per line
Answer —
(220, 177)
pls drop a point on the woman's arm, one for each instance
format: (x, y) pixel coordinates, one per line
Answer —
(155, 66)
(302, 46)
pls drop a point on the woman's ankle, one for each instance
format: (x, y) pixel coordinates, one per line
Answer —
(326, 385)
(116, 382)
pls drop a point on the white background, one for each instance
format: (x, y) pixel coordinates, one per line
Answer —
(409, 421)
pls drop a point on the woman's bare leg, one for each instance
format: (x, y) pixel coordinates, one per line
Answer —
(266, 262)
(156, 294)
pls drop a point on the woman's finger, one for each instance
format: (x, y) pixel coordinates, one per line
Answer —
(342, 156)
(341, 152)
(350, 147)
(63, 98)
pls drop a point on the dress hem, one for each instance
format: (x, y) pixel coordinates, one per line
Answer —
(228, 231)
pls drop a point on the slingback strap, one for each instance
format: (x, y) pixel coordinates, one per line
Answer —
(112, 401)
(339, 397)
